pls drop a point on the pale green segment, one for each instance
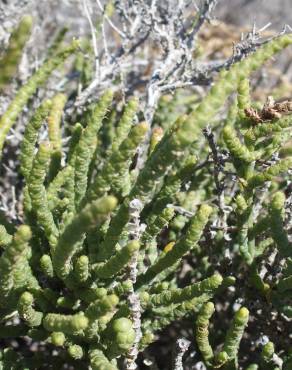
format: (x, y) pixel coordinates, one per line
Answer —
(120, 337)
(172, 313)
(74, 140)
(5, 237)
(148, 238)
(27, 311)
(252, 367)
(58, 338)
(68, 324)
(98, 361)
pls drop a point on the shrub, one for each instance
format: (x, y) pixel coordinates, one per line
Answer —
(96, 268)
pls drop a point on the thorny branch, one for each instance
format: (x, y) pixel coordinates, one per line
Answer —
(135, 229)
(170, 26)
(204, 14)
(93, 36)
(135, 30)
(219, 160)
(181, 347)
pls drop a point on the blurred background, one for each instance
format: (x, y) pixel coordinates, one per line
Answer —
(237, 12)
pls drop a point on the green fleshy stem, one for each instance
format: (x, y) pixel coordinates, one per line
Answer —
(91, 216)
(170, 313)
(269, 174)
(243, 97)
(46, 265)
(14, 260)
(172, 186)
(59, 181)
(30, 137)
(90, 294)
(74, 140)
(238, 150)
(125, 123)
(102, 307)
(123, 288)
(38, 193)
(207, 286)
(54, 131)
(277, 230)
(147, 338)
(12, 55)
(266, 129)
(117, 262)
(220, 359)
(155, 227)
(54, 121)
(113, 172)
(185, 244)
(24, 94)
(87, 145)
(68, 324)
(235, 333)
(202, 332)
